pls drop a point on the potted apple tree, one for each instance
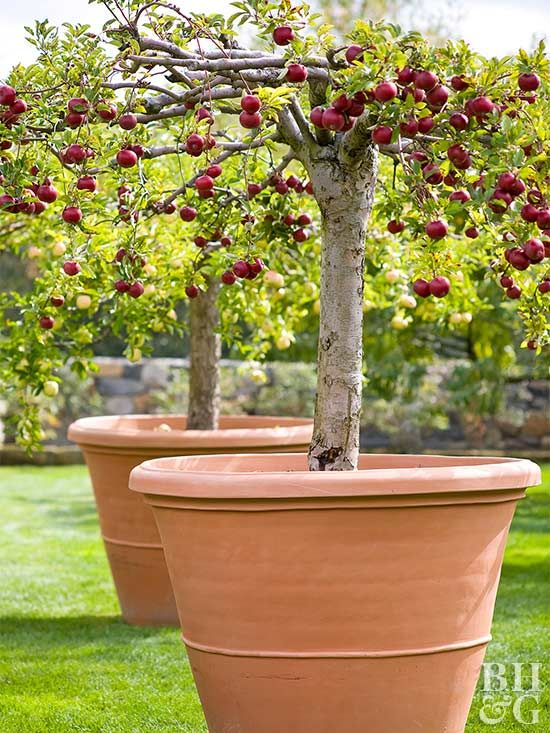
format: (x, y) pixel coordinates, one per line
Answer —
(113, 254)
(359, 593)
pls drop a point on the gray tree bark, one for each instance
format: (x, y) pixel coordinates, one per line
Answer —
(205, 353)
(344, 189)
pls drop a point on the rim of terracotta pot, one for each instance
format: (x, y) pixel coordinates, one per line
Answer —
(168, 431)
(285, 476)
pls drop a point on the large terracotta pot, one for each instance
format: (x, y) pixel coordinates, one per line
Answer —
(113, 445)
(322, 602)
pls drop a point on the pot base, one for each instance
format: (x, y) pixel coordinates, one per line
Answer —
(143, 584)
(429, 693)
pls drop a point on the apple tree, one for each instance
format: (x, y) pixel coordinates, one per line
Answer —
(447, 150)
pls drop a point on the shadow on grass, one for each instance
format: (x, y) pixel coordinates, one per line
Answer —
(533, 514)
(71, 512)
(74, 630)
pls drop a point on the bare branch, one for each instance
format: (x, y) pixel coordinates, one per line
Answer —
(224, 65)
(156, 44)
(301, 121)
(178, 111)
(291, 134)
(143, 85)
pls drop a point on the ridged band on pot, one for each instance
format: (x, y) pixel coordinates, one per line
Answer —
(113, 446)
(330, 602)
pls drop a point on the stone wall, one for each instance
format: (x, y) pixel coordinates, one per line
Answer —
(523, 424)
(159, 385)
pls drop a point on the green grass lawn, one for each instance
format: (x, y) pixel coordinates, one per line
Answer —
(68, 663)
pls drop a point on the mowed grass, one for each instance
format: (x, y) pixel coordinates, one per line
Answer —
(69, 664)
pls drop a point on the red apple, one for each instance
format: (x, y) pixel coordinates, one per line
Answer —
(228, 277)
(195, 144)
(253, 189)
(128, 121)
(425, 124)
(214, 170)
(192, 291)
(126, 158)
(204, 183)
(458, 83)
(71, 268)
(7, 95)
(106, 111)
(333, 120)
(439, 287)
(136, 289)
(241, 268)
(122, 286)
(462, 196)
(385, 92)
(432, 174)
(482, 106)
(301, 235)
(528, 82)
(72, 215)
(518, 259)
(437, 229)
(459, 121)
(534, 249)
(422, 288)
(409, 128)
(250, 103)
(47, 193)
(78, 104)
(395, 227)
(283, 35)
(438, 96)
(354, 53)
(529, 213)
(405, 76)
(74, 120)
(86, 183)
(296, 73)
(74, 154)
(316, 116)
(250, 121)
(425, 80)
(382, 135)
(45, 322)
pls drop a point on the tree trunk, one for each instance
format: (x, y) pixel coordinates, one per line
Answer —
(345, 196)
(204, 378)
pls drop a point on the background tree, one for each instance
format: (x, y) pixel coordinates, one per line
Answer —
(435, 21)
(464, 158)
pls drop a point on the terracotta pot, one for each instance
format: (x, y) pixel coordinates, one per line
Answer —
(113, 446)
(322, 602)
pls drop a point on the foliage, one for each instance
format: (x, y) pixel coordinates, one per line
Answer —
(180, 77)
